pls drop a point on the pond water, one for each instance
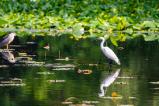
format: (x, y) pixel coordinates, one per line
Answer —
(73, 74)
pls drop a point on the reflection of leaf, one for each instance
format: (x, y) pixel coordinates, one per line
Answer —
(123, 39)
(151, 37)
(136, 35)
(137, 27)
(129, 31)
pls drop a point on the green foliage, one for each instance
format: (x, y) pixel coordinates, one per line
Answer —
(151, 37)
(2, 22)
(82, 18)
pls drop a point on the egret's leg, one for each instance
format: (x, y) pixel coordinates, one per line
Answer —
(110, 64)
(45, 55)
(110, 68)
(7, 46)
(99, 62)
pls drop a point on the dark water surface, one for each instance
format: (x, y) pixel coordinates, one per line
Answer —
(72, 73)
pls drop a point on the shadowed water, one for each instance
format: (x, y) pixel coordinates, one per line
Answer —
(71, 73)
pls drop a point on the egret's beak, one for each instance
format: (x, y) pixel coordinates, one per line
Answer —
(15, 34)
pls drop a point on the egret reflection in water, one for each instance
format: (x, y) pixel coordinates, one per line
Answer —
(8, 56)
(108, 80)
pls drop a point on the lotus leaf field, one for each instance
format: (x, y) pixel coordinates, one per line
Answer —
(79, 19)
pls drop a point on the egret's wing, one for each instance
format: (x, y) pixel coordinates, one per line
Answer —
(4, 42)
(111, 78)
(110, 54)
(102, 91)
(9, 35)
(108, 81)
(8, 39)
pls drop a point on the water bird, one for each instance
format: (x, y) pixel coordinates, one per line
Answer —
(46, 47)
(108, 52)
(108, 80)
(7, 55)
(7, 40)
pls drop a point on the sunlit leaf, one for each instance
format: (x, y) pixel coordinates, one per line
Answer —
(78, 29)
(149, 24)
(2, 21)
(114, 41)
(2, 33)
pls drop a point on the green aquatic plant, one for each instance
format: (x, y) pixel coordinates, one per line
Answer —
(122, 20)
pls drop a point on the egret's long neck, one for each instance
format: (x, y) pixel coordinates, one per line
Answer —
(102, 43)
(102, 90)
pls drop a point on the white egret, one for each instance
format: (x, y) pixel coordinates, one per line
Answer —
(47, 47)
(7, 40)
(108, 52)
(108, 80)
